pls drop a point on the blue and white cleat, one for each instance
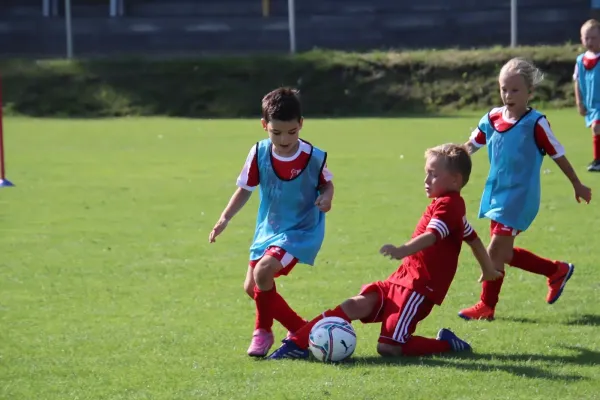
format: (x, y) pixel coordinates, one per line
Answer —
(289, 350)
(456, 343)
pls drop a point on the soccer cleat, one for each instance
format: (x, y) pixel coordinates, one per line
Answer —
(261, 343)
(456, 343)
(289, 350)
(478, 311)
(557, 282)
(594, 166)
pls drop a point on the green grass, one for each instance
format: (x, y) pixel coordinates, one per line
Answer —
(109, 289)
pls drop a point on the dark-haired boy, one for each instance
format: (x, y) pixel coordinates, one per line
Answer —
(296, 189)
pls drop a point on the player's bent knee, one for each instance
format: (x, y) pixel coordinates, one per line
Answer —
(596, 129)
(265, 271)
(388, 350)
(360, 306)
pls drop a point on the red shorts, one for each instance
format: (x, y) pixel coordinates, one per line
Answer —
(288, 261)
(498, 229)
(399, 310)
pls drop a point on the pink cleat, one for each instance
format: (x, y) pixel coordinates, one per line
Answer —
(261, 343)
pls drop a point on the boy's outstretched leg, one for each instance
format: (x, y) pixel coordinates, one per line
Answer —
(417, 346)
(357, 307)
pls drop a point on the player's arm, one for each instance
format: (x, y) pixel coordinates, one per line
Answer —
(326, 197)
(546, 139)
(488, 272)
(476, 141)
(581, 191)
(471, 148)
(411, 247)
(577, 90)
(445, 218)
(326, 189)
(247, 181)
(578, 99)
(236, 203)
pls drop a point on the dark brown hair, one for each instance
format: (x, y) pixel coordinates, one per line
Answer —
(282, 104)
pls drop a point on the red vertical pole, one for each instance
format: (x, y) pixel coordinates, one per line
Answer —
(2, 171)
(3, 181)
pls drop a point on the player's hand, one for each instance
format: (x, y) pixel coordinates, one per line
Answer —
(389, 250)
(582, 110)
(490, 275)
(323, 203)
(217, 230)
(582, 192)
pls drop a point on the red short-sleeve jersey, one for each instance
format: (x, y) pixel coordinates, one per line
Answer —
(431, 271)
(544, 136)
(286, 167)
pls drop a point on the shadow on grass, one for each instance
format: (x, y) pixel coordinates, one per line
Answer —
(585, 319)
(520, 320)
(511, 363)
(581, 320)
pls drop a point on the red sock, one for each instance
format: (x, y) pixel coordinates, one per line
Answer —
(596, 147)
(490, 292)
(283, 313)
(264, 308)
(421, 346)
(301, 336)
(528, 261)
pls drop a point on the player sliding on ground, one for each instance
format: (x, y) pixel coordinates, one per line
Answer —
(430, 260)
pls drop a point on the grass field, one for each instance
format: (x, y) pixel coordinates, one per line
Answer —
(110, 290)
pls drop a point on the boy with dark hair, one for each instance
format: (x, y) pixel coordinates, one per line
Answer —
(296, 190)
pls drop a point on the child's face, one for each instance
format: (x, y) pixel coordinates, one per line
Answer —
(438, 180)
(514, 92)
(283, 135)
(590, 39)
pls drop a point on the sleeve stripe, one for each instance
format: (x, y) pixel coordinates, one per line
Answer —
(468, 229)
(439, 226)
(245, 175)
(555, 148)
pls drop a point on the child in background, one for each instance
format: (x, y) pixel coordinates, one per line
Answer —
(296, 190)
(587, 85)
(517, 138)
(430, 260)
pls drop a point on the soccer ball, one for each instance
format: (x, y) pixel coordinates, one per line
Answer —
(332, 339)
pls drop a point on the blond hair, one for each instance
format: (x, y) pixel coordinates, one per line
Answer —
(532, 74)
(456, 159)
(590, 24)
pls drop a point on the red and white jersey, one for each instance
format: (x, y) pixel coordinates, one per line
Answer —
(589, 61)
(431, 271)
(285, 167)
(544, 136)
